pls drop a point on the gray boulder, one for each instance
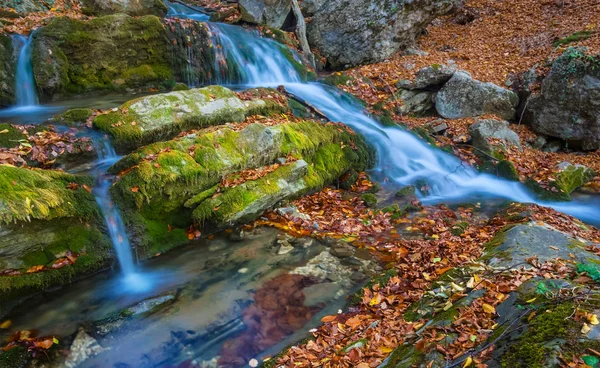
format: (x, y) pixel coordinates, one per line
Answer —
(431, 77)
(484, 130)
(270, 12)
(416, 102)
(131, 7)
(568, 106)
(462, 96)
(7, 72)
(351, 32)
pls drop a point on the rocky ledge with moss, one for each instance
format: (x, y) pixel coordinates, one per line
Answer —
(168, 186)
(153, 118)
(43, 215)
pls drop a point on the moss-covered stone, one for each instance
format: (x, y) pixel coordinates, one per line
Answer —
(567, 180)
(108, 53)
(181, 87)
(130, 7)
(406, 191)
(41, 220)
(8, 69)
(10, 136)
(337, 78)
(77, 115)
(157, 117)
(175, 181)
(370, 199)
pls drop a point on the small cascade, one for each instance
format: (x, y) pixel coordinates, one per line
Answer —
(25, 85)
(116, 228)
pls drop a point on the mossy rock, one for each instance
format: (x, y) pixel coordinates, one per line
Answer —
(175, 181)
(113, 52)
(10, 136)
(370, 199)
(337, 78)
(130, 7)
(180, 87)
(8, 70)
(406, 191)
(41, 219)
(162, 116)
(77, 115)
(567, 180)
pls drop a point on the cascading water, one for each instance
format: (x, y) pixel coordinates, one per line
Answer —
(402, 158)
(25, 85)
(116, 228)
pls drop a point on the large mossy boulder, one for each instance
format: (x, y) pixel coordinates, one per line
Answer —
(566, 179)
(8, 69)
(43, 215)
(168, 186)
(462, 96)
(351, 32)
(157, 117)
(568, 104)
(130, 7)
(114, 52)
(269, 12)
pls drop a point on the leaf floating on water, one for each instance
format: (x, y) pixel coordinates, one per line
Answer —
(488, 308)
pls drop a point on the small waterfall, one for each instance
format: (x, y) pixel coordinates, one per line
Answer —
(116, 228)
(25, 85)
(244, 57)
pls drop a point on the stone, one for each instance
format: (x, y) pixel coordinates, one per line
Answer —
(341, 250)
(553, 146)
(272, 13)
(416, 103)
(176, 181)
(431, 78)
(484, 130)
(517, 244)
(439, 128)
(130, 7)
(352, 32)
(462, 96)
(83, 347)
(8, 70)
(320, 294)
(284, 249)
(568, 105)
(162, 116)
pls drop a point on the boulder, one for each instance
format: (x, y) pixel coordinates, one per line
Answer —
(83, 347)
(46, 215)
(431, 78)
(168, 186)
(351, 32)
(272, 13)
(130, 7)
(568, 105)
(162, 116)
(114, 52)
(8, 70)
(416, 102)
(484, 130)
(567, 178)
(30, 6)
(462, 96)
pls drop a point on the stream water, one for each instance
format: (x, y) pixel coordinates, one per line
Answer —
(191, 306)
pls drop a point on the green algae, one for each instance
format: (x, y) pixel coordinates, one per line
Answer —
(10, 136)
(77, 115)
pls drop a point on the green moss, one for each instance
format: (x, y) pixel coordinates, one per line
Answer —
(162, 238)
(507, 170)
(575, 37)
(531, 350)
(298, 109)
(567, 181)
(336, 79)
(180, 87)
(79, 115)
(459, 228)
(404, 356)
(16, 357)
(382, 280)
(43, 194)
(306, 74)
(406, 191)
(424, 134)
(369, 199)
(10, 136)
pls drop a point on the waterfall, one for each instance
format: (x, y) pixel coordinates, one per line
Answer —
(25, 85)
(133, 281)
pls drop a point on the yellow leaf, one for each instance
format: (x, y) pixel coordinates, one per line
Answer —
(471, 283)
(435, 236)
(447, 306)
(456, 287)
(477, 279)
(385, 349)
(585, 329)
(6, 324)
(376, 300)
(488, 308)
(468, 362)
(593, 319)
(3, 131)
(531, 300)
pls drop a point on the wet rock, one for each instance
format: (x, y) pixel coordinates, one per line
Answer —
(342, 250)
(462, 96)
(429, 78)
(78, 115)
(407, 191)
(568, 105)
(484, 130)
(284, 249)
(553, 146)
(567, 178)
(130, 7)
(237, 235)
(523, 241)
(355, 32)
(83, 347)
(73, 56)
(182, 176)
(304, 243)
(156, 117)
(292, 212)
(357, 276)
(370, 199)
(8, 70)
(41, 221)
(272, 13)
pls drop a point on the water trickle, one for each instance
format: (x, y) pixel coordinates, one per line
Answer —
(25, 85)
(132, 281)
